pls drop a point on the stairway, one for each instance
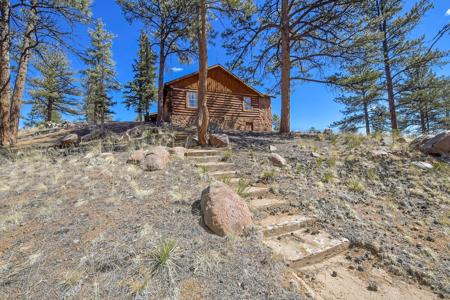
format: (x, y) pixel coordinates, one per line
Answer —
(294, 237)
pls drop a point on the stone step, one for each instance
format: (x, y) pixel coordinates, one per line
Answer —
(215, 166)
(282, 224)
(302, 248)
(202, 152)
(256, 191)
(266, 203)
(223, 174)
(203, 159)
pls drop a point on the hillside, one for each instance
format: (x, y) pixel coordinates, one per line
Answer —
(83, 223)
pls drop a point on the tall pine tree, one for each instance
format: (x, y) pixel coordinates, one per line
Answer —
(393, 25)
(54, 93)
(141, 91)
(100, 75)
(422, 93)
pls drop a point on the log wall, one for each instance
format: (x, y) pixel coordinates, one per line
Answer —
(225, 109)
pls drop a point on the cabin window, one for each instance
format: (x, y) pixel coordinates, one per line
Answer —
(247, 104)
(192, 100)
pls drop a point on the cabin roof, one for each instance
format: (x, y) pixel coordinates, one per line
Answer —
(218, 66)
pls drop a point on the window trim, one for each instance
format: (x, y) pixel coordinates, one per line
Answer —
(187, 99)
(243, 103)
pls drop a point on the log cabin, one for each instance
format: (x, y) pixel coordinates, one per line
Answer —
(232, 104)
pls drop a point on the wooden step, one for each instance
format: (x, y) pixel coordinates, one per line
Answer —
(266, 203)
(203, 159)
(256, 191)
(215, 166)
(302, 248)
(222, 174)
(282, 224)
(202, 152)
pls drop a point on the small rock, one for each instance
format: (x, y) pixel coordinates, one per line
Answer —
(277, 160)
(219, 140)
(315, 154)
(360, 269)
(334, 274)
(272, 148)
(423, 165)
(378, 154)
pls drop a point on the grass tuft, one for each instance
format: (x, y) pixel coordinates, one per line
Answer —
(328, 177)
(242, 186)
(268, 176)
(356, 186)
(226, 155)
(164, 257)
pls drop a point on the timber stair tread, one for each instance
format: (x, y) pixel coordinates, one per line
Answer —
(282, 224)
(215, 166)
(305, 247)
(202, 152)
(219, 174)
(266, 203)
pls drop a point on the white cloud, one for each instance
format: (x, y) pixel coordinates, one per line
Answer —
(176, 69)
(447, 13)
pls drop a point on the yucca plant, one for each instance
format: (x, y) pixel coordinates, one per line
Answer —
(164, 257)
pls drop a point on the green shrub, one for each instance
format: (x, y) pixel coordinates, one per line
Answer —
(242, 186)
(328, 177)
(268, 176)
(356, 186)
(227, 155)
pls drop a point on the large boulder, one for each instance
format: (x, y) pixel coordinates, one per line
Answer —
(277, 160)
(157, 158)
(439, 144)
(224, 212)
(219, 140)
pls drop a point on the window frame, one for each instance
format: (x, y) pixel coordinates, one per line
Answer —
(244, 98)
(187, 99)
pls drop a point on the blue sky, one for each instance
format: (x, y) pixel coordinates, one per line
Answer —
(312, 104)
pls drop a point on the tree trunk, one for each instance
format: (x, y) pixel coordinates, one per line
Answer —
(366, 118)
(387, 67)
(49, 111)
(19, 85)
(203, 114)
(161, 83)
(423, 126)
(285, 125)
(5, 73)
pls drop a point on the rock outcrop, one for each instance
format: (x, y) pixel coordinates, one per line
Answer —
(437, 145)
(224, 212)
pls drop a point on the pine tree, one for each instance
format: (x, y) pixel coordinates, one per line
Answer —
(100, 76)
(290, 40)
(422, 93)
(360, 91)
(140, 92)
(388, 19)
(168, 20)
(54, 93)
(24, 26)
